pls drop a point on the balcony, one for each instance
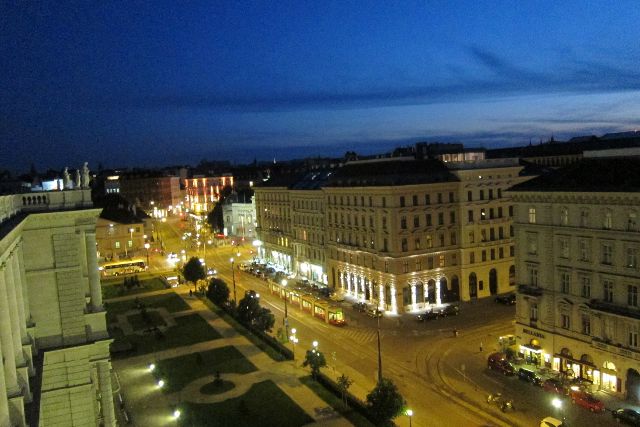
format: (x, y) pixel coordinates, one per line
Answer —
(530, 290)
(611, 308)
(618, 349)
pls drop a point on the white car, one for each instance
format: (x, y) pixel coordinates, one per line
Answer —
(551, 422)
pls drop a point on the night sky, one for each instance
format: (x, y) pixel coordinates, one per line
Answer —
(158, 83)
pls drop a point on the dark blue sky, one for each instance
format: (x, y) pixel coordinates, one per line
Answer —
(147, 83)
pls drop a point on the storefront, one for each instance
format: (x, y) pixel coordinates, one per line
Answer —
(530, 348)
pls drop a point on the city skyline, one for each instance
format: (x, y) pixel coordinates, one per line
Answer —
(156, 84)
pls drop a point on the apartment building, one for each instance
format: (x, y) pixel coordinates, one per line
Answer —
(202, 193)
(152, 191)
(400, 233)
(578, 276)
(52, 323)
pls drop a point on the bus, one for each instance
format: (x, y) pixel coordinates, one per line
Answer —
(123, 267)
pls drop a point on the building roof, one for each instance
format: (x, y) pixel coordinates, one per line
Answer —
(392, 172)
(574, 146)
(589, 175)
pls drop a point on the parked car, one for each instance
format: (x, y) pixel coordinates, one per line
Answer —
(252, 293)
(586, 400)
(554, 385)
(529, 376)
(498, 362)
(500, 401)
(450, 310)
(428, 315)
(359, 306)
(509, 299)
(551, 422)
(627, 416)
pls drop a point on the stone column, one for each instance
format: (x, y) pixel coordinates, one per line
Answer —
(6, 338)
(92, 270)
(19, 285)
(4, 403)
(23, 279)
(381, 304)
(13, 313)
(106, 394)
(438, 299)
(394, 300)
(413, 297)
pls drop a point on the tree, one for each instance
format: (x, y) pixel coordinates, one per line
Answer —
(264, 320)
(248, 309)
(315, 360)
(218, 291)
(344, 382)
(215, 218)
(193, 271)
(385, 402)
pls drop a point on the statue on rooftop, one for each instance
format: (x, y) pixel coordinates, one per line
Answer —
(77, 181)
(85, 175)
(66, 179)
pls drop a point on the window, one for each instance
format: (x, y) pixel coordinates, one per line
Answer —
(586, 287)
(430, 263)
(564, 247)
(402, 201)
(416, 221)
(483, 235)
(501, 252)
(470, 215)
(370, 201)
(405, 267)
(117, 245)
(429, 241)
(584, 250)
(586, 324)
(533, 275)
(441, 238)
(472, 257)
(483, 214)
(441, 261)
(492, 234)
(415, 200)
(533, 311)
(608, 220)
(532, 215)
(472, 237)
(439, 198)
(607, 253)
(403, 223)
(417, 242)
(607, 286)
(490, 194)
(384, 245)
(453, 237)
(441, 218)
(405, 247)
(452, 217)
(565, 282)
(481, 194)
(386, 266)
(500, 212)
(484, 255)
(632, 295)
(633, 338)
(632, 257)
(384, 202)
(566, 321)
(451, 198)
(510, 210)
(469, 196)
(427, 199)
(499, 193)
(564, 216)
(384, 222)
(130, 243)
(493, 254)
(631, 222)
(500, 233)
(428, 218)
(511, 231)
(418, 265)
(584, 218)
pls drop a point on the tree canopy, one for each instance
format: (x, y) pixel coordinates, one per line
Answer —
(193, 270)
(385, 402)
(218, 291)
(315, 360)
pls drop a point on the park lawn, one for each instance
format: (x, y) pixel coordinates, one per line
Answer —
(138, 323)
(264, 405)
(170, 301)
(180, 371)
(335, 402)
(115, 288)
(189, 329)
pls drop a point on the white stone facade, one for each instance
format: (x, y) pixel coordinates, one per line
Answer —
(240, 219)
(52, 322)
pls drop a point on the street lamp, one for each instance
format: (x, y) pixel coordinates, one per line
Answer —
(147, 246)
(233, 276)
(409, 414)
(557, 403)
(379, 349)
(286, 315)
(130, 238)
(294, 340)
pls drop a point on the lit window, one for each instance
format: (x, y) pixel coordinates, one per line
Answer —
(117, 245)
(532, 215)
(608, 220)
(566, 321)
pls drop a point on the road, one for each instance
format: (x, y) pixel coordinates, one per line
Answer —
(443, 378)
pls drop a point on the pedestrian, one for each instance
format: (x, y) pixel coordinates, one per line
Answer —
(455, 332)
(190, 293)
(480, 346)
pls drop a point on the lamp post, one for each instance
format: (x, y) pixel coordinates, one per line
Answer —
(557, 403)
(409, 414)
(233, 277)
(147, 246)
(130, 238)
(294, 340)
(379, 349)
(286, 315)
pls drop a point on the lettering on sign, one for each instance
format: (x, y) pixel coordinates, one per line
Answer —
(533, 333)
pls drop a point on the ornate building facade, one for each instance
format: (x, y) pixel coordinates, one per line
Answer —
(52, 322)
(578, 241)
